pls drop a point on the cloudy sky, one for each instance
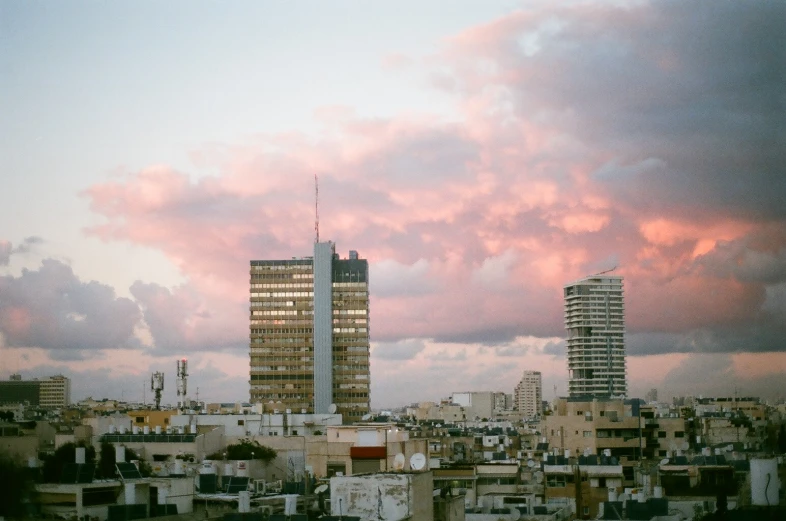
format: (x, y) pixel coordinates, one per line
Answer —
(480, 154)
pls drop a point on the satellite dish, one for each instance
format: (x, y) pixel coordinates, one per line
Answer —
(399, 461)
(417, 461)
(530, 463)
(539, 477)
(729, 448)
(515, 514)
(664, 461)
(332, 409)
(366, 417)
(438, 425)
(320, 489)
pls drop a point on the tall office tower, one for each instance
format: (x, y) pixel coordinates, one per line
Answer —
(595, 321)
(309, 334)
(528, 395)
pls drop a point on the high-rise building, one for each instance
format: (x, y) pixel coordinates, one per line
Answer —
(595, 322)
(309, 334)
(528, 396)
(55, 391)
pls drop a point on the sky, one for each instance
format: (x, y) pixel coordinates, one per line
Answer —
(480, 155)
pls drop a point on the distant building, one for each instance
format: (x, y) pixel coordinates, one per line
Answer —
(528, 396)
(595, 322)
(652, 395)
(480, 404)
(55, 392)
(17, 391)
(52, 392)
(309, 334)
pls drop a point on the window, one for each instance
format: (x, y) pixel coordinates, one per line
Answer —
(140, 419)
(661, 434)
(241, 422)
(555, 481)
(588, 434)
(679, 434)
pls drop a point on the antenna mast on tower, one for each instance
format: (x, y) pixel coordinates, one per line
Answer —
(316, 207)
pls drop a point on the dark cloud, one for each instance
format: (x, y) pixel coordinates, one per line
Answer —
(749, 259)
(480, 334)
(51, 308)
(716, 375)
(689, 96)
(402, 350)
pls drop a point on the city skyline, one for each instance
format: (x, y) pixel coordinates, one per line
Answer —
(479, 157)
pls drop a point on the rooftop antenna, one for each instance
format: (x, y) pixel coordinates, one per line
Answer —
(316, 206)
(157, 385)
(606, 271)
(182, 382)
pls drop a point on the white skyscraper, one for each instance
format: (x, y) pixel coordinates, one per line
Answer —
(595, 322)
(528, 396)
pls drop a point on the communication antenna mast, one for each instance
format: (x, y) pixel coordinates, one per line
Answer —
(606, 271)
(182, 382)
(157, 385)
(316, 206)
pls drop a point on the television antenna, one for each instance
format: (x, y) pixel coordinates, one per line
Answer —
(417, 461)
(606, 271)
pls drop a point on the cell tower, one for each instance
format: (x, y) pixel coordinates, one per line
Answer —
(157, 386)
(182, 383)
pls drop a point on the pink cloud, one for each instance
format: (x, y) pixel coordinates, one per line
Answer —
(563, 164)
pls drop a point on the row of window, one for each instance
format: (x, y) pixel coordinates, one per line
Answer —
(281, 294)
(282, 285)
(282, 312)
(283, 331)
(350, 330)
(350, 311)
(281, 322)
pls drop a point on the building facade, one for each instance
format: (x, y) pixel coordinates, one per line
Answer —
(528, 395)
(309, 334)
(595, 323)
(52, 392)
(55, 392)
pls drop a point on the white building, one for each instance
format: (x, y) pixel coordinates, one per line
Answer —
(595, 322)
(528, 395)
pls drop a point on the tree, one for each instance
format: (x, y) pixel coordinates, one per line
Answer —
(17, 489)
(53, 464)
(7, 416)
(106, 465)
(782, 439)
(246, 450)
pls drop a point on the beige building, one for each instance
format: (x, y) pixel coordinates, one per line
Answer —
(598, 427)
(309, 334)
(582, 487)
(528, 396)
(55, 392)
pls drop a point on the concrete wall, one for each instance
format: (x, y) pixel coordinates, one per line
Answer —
(388, 496)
